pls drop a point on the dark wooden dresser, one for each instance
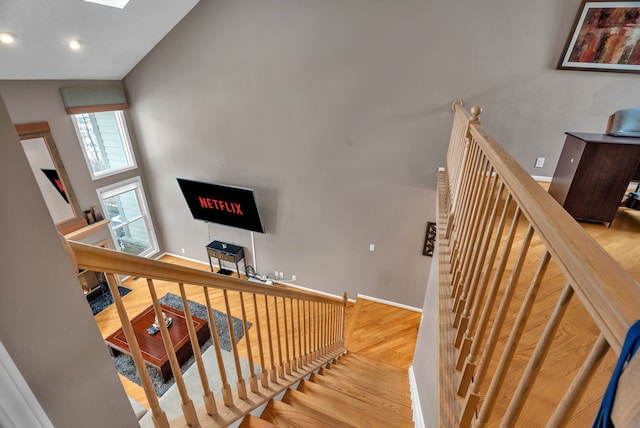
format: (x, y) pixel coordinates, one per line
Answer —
(593, 173)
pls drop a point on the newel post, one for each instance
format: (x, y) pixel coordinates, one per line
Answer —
(344, 313)
(473, 120)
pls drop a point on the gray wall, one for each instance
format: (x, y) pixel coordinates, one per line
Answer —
(45, 322)
(39, 101)
(321, 107)
(337, 113)
(426, 366)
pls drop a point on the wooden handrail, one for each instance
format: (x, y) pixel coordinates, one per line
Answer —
(479, 178)
(100, 259)
(242, 401)
(609, 293)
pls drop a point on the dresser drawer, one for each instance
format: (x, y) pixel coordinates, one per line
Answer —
(222, 256)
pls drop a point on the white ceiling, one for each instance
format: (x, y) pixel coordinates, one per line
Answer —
(113, 40)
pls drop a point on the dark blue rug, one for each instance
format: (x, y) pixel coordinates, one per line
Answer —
(99, 304)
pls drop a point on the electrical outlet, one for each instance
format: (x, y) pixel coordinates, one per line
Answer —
(182, 250)
(293, 277)
(281, 275)
(539, 162)
(372, 247)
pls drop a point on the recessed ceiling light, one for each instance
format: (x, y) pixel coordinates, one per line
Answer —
(7, 38)
(120, 4)
(75, 44)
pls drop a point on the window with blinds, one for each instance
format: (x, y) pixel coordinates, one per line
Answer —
(105, 142)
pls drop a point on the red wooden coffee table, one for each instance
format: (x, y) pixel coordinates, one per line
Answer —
(152, 347)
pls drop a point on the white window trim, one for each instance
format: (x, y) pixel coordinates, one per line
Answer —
(123, 187)
(128, 149)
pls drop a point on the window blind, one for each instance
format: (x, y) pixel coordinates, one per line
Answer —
(93, 99)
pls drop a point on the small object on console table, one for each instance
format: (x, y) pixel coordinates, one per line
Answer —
(228, 253)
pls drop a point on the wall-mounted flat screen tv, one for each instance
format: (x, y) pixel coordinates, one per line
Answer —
(216, 203)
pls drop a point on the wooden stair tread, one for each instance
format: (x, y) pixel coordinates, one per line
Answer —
(381, 387)
(334, 410)
(328, 395)
(251, 421)
(354, 391)
(389, 373)
(367, 388)
(374, 362)
(358, 368)
(280, 413)
(381, 331)
(393, 387)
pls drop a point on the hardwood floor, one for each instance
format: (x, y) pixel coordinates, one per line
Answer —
(621, 239)
(573, 340)
(383, 332)
(388, 333)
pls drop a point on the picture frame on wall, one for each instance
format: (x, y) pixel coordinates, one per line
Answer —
(605, 37)
(429, 240)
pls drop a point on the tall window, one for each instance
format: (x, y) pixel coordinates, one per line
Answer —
(130, 223)
(105, 142)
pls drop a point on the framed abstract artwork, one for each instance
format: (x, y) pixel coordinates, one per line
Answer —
(605, 37)
(429, 240)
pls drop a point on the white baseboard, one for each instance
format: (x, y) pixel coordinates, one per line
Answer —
(181, 257)
(311, 290)
(288, 284)
(542, 178)
(418, 418)
(389, 302)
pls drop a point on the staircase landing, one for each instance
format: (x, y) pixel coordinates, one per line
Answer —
(367, 387)
(383, 332)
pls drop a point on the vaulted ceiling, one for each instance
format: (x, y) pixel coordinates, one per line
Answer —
(112, 40)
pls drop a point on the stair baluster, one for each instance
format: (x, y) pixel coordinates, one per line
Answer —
(188, 408)
(294, 360)
(272, 369)
(253, 378)
(241, 386)
(280, 366)
(264, 374)
(287, 363)
(227, 396)
(159, 416)
(207, 396)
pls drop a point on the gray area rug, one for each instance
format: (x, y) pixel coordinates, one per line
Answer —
(101, 303)
(124, 363)
(170, 402)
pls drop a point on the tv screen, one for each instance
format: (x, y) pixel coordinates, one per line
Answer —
(228, 205)
(52, 175)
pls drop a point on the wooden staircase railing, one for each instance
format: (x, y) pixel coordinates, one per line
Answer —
(351, 391)
(308, 330)
(512, 262)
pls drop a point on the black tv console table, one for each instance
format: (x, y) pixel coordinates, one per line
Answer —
(228, 253)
